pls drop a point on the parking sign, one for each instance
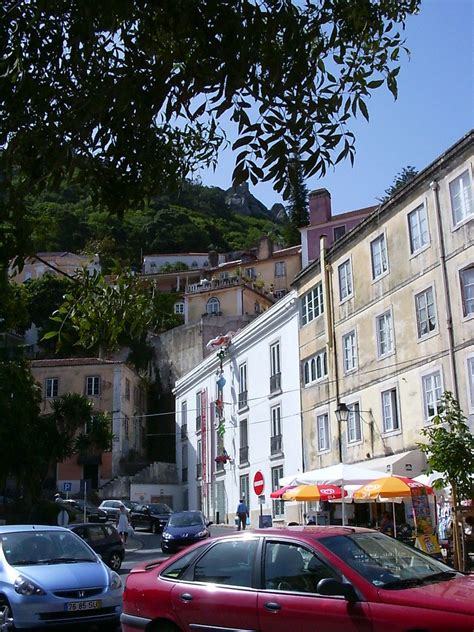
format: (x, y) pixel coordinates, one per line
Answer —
(67, 487)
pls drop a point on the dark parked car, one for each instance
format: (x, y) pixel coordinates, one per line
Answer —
(153, 516)
(93, 513)
(105, 540)
(329, 579)
(182, 529)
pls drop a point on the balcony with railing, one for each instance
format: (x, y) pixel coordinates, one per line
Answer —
(275, 383)
(184, 474)
(244, 455)
(198, 423)
(243, 400)
(215, 284)
(184, 432)
(276, 444)
(198, 470)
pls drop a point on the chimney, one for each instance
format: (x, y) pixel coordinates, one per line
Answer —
(213, 259)
(264, 248)
(319, 207)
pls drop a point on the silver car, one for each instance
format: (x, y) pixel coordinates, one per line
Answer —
(112, 508)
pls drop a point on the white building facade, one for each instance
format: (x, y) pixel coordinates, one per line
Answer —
(248, 428)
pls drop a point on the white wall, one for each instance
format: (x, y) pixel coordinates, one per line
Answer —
(143, 493)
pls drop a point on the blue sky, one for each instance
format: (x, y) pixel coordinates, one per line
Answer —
(435, 107)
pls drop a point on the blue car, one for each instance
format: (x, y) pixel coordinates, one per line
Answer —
(184, 528)
(49, 576)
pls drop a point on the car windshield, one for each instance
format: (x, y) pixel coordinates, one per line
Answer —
(160, 508)
(386, 562)
(24, 548)
(186, 520)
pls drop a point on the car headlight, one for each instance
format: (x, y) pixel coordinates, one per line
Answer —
(24, 586)
(167, 536)
(201, 534)
(115, 580)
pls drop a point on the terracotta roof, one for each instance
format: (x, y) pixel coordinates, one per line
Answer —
(71, 362)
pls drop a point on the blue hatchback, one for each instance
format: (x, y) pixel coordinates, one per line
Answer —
(50, 576)
(184, 528)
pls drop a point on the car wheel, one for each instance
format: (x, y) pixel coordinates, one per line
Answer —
(115, 561)
(165, 627)
(6, 616)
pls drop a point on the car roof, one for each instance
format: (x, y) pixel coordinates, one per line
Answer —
(18, 528)
(186, 512)
(316, 532)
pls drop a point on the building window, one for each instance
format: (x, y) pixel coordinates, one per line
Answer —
(243, 399)
(184, 420)
(278, 294)
(390, 417)
(276, 437)
(460, 190)
(213, 306)
(93, 385)
(470, 380)
(251, 273)
(385, 340)
(432, 392)
(51, 387)
(199, 458)
(244, 489)
(418, 229)
(315, 368)
(339, 231)
(244, 442)
(179, 307)
(467, 290)
(322, 424)
(280, 269)
(278, 506)
(184, 464)
(345, 280)
(312, 304)
(275, 372)
(126, 427)
(378, 251)
(198, 411)
(354, 429)
(127, 389)
(425, 312)
(349, 348)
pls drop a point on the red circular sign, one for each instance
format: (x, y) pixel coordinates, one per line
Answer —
(258, 483)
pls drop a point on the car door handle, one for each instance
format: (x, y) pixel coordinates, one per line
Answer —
(272, 605)
(186, 597)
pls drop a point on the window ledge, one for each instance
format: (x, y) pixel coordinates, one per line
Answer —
(276, 393)
(277, 455)
(243, 409)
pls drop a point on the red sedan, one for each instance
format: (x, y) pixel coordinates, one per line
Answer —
(329, 579)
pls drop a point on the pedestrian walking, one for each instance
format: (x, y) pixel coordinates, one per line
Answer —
(123, 524)
(242, 514)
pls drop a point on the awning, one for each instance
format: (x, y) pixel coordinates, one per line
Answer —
(410, 463)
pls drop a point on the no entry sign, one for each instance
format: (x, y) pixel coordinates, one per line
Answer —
(258, 483)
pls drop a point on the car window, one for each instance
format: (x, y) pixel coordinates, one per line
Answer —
(176, 569)
(95, 533)
(160, 508)
(39, 547)
(187, 519)
(81, 531)
(139, 508)
(109, 530)
(229, 563)
(291, 567)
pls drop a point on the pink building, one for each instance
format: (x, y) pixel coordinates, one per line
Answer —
(322, 222)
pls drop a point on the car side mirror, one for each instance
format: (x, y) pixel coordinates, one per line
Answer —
(335, 588)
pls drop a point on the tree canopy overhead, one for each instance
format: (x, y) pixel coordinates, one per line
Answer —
(128, 96)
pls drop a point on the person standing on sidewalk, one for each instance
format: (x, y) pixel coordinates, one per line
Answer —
(123, 524)
(242, 514)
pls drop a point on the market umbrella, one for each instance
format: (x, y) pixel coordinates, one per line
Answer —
(390, 487)
(314, 492)
(278, 493)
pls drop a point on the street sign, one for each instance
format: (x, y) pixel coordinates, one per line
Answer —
(258, 483)
(63, 518)
(261, 499)
(67, 487)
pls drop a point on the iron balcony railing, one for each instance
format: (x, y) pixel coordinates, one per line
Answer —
(198, 470)
(198, 423)
(184, 431)
(244, 455)
(275, 382)
(243, 399)
(275, 444)
(184, 474)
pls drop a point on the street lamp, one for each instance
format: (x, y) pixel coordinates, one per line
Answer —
(342, 413)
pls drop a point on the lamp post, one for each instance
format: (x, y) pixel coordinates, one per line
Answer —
(342, 415)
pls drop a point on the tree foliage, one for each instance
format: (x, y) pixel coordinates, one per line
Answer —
(297, 208)
(405, 176)
(127, 97)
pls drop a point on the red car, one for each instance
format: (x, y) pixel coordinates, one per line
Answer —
(302, 579)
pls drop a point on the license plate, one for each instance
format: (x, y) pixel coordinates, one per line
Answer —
(76, 606)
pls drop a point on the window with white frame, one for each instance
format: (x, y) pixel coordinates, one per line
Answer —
(244, 442)
(93, 385)
(312, 304)
(418, 229)
(378, 251)
(199, 458)
(275, 371)
(467, 290)
(179, 307)
(470, 380)
(425, 312)
(322, 424)
(345, 280)
(275, 415)
(460, 191)
(213, 306)
(51, 387)
(339, 231)
(432, 392)
(243, 399)
(280, 268)
(385, 339)
(390, 415)
(278, 506)
(198, 411)
(315, 368)
(244, 488)
(184, 420)
(354, 428)
(349, 349)
(251, 273)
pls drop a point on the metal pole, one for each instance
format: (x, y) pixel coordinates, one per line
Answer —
(85, 500)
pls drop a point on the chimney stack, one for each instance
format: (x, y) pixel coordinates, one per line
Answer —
(319, 207)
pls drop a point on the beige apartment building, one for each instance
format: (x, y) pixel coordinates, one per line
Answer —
(113, 388)
(387, 322)
(66, 263)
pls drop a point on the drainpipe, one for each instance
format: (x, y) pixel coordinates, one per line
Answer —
(434, 186)
(329, 324)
